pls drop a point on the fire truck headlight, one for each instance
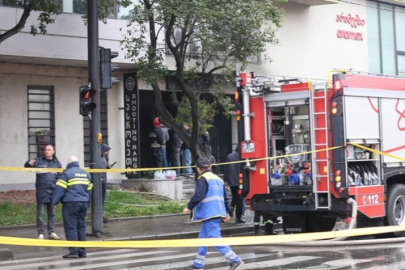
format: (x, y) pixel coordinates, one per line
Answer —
(338, 185)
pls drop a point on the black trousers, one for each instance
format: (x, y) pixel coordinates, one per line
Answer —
(74, 223)
(236, 202)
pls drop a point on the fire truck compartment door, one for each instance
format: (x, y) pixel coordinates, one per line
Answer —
(362, 118)
(287, 99)
(393, 128)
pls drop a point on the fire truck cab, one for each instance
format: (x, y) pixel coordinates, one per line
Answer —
(316, 150)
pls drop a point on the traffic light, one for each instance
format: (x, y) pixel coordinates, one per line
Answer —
(106, 68)
(86, 105)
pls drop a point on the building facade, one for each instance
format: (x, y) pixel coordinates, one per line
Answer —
(40, 77)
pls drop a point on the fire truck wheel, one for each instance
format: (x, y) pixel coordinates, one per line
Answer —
(396, 207)
(319, 222)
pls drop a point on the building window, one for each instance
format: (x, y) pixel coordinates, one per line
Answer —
(41, 119)
(386, 38)
(104, 127)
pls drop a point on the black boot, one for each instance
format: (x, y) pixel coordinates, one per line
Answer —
(257, 230)
(268, 229)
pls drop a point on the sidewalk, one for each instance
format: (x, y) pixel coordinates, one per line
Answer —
(162, 227)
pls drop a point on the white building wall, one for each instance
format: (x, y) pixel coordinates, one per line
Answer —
(308, 43)
(14, 79)
(66, 39)
(308, 47)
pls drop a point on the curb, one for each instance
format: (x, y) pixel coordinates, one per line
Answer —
(6, 254)
(88, 222)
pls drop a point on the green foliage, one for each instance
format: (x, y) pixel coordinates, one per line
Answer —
(205, 33)
(118, 204)
(206, 38)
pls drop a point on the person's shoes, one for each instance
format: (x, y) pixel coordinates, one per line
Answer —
(105, 219)
(236, 265)
(70, 256)
(239, 220)
(194, 267)
(82, 255)
(41, 236)
(53, 236)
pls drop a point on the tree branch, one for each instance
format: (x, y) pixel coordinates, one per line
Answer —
(172, 48)
(20, 25)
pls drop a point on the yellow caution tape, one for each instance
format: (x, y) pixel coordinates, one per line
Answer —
(378, 152)
(233, 241)
(18, 169)
(54, 170)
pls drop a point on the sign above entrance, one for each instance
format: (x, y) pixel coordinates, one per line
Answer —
(354, 21)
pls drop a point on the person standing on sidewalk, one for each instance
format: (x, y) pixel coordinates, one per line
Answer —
(162, 136)
(177, 143)
(104, 165)
(44, 186)
(210, 207)
(73, 189)
(231, 176)
(186, 151)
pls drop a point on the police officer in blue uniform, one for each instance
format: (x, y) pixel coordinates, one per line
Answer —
(210, 207)
(73, 188)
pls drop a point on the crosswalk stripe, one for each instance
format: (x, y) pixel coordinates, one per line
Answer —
(161, 258)
(272, 263)
(392, 266)
(337, 264)
(208, 261)
(65, 261)
(50, 258)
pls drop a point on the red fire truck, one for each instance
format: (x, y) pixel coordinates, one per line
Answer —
(323, 140)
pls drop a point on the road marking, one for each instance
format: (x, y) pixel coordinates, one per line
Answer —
(272, 263)
(337, 264)
(392, 266)
(45, 258)
(85, 260)
(208, 261)
(160, 258)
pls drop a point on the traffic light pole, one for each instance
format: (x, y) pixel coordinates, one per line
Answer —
(94, 80)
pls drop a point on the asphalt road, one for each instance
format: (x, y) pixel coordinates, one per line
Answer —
(381, 257)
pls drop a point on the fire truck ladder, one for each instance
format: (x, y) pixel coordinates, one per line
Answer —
(317, 144)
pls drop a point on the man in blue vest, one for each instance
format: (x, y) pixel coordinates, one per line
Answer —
(73, 188)
(210, 207)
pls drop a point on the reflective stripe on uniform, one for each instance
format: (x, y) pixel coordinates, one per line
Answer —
(213, 199)
(230, 256)
(61, 183)
(90, 187)
(78, 181)
(269, 222)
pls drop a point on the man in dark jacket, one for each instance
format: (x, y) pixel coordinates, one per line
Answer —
(204, 143)
(231, 173)
(186, 151)
(104, 165)
(210, 207)
(162, 136)
(177, 143)
(73, 189)
(44, 186)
